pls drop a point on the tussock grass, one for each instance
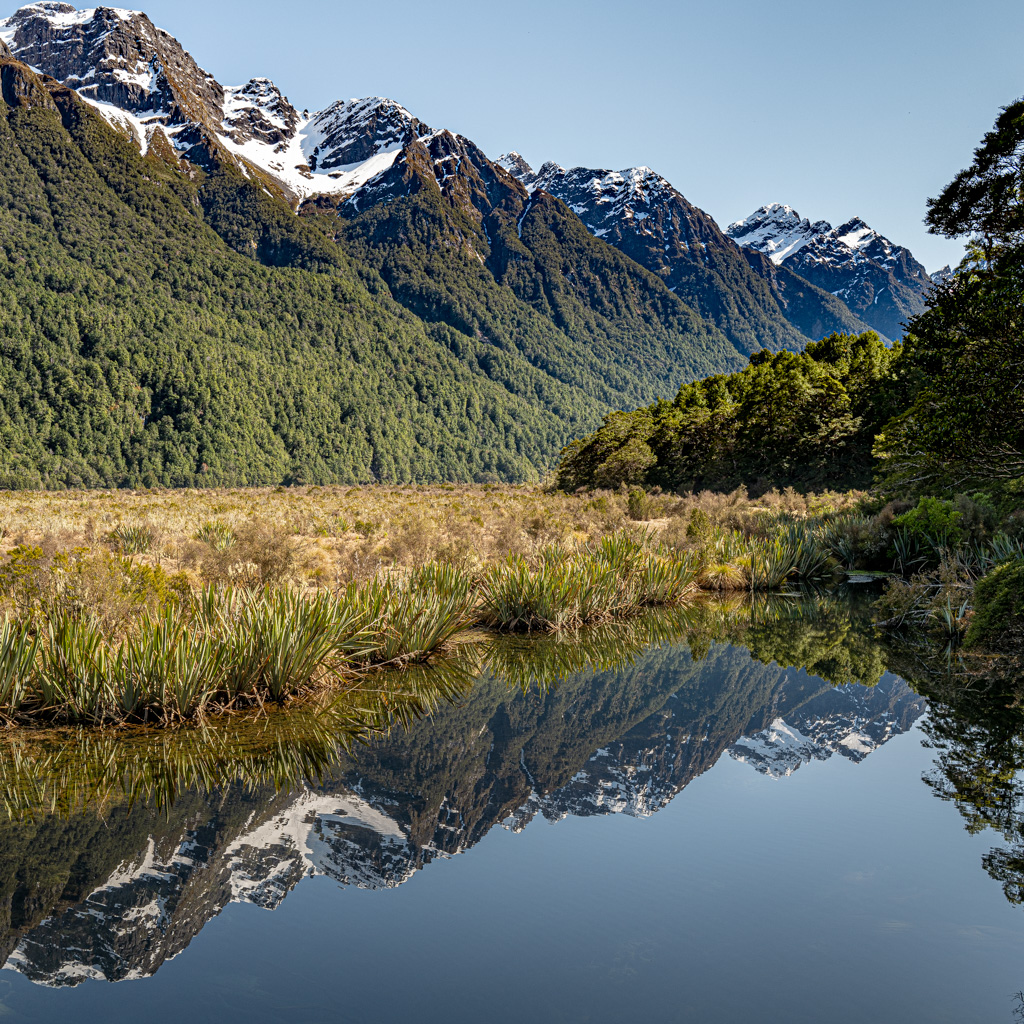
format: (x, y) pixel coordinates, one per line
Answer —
(570, 588)
(225, 648)
(161, 607)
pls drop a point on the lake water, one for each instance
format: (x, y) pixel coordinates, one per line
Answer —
(699, 826)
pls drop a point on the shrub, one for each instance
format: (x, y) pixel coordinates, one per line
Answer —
(134, 539)
(998, 620)
(934, 521)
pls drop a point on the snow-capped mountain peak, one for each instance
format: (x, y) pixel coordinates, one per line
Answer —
(143, 81)
(877, 279)
(604, 200)
(516, 165)
(850, 720)
(776, 230)
(258, 110)
(114, 57)
(333, 151)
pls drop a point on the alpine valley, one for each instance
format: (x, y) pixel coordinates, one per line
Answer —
(205, 285)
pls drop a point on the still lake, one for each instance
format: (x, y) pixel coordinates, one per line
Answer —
(700, 823)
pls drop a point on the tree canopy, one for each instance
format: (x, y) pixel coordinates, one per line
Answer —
(788, 418)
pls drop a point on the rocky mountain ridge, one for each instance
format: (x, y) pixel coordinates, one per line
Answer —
(880, 281)
(638, 211)
(562, 298)
(146, 84)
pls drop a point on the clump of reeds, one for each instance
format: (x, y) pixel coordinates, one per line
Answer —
(218, 535)
(132, 539)
(222, 649)
(573, 587)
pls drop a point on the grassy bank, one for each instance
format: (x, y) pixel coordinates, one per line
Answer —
(227, 647)
(160, 607)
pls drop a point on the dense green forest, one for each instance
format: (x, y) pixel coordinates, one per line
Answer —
(941, 414)
(166, 323)
(807, 419)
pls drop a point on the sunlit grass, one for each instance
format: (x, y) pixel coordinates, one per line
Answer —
(161, 607)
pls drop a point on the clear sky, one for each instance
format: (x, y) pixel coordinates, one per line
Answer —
(836, 108)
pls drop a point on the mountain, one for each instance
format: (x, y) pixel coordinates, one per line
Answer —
(463, 245)
(137, 346)
(260, 346)
(753, 302)
(851, 721)
(879, 281)
(405, 308)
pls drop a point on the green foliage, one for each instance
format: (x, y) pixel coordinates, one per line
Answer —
(132, 539)
(590, 584)
(219, 536)
(962, 373)
(502, 277)
(162, 330)
(933, 520)
(986, 201)
(963, 370)
(805, 418)
(999, 608)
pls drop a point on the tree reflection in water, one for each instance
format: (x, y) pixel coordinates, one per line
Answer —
(976, 726)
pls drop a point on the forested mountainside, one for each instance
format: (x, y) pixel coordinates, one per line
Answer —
(138, 347)
(754, 303)
(204, 285)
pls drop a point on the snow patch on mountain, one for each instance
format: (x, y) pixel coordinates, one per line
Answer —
(140, 79)
(777, 231)
(608, 202)
(778, 750)
(335, 151)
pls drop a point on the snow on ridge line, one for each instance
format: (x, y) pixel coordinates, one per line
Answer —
(61, 15)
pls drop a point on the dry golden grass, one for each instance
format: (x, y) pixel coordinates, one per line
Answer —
(325, 536)
(114, 552)
(308, 536)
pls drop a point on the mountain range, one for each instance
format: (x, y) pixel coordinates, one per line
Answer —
(207, 285)
(878, 280)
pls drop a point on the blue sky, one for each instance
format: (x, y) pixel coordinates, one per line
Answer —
(837, 109)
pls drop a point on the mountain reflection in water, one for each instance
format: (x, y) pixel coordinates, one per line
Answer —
(118, 850)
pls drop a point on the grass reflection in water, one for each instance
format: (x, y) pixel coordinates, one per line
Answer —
(66, 771)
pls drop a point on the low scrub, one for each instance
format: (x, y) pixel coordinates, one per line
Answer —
(998, 622)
